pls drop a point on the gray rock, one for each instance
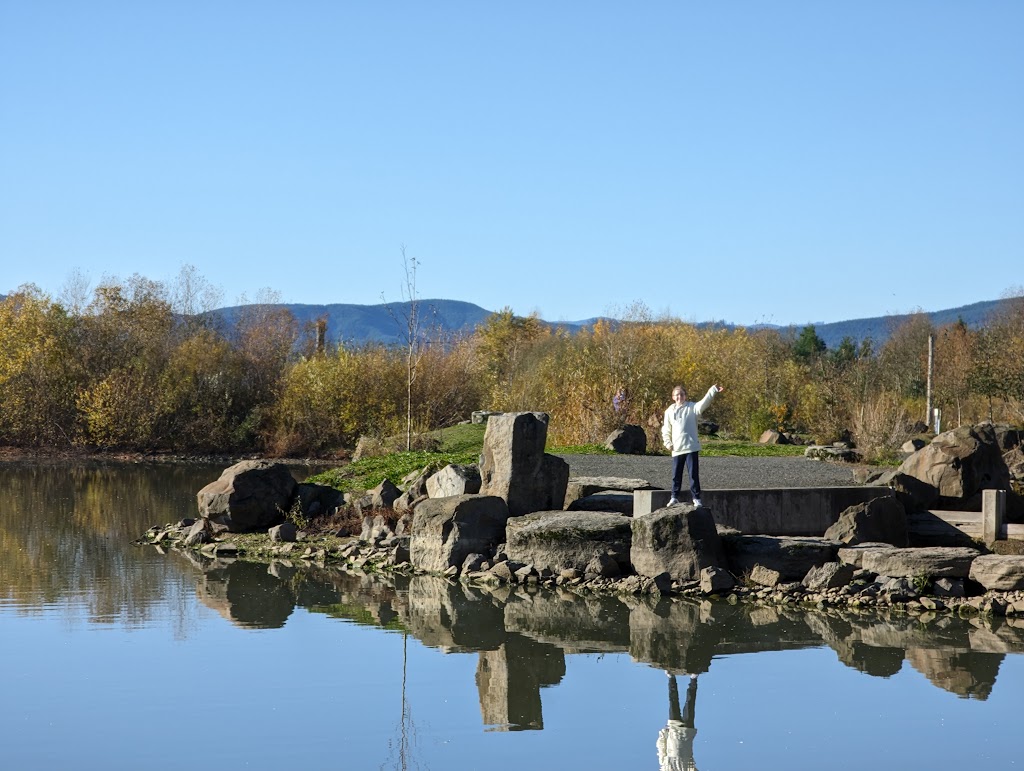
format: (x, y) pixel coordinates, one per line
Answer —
(832, 452)
(899, 589)
(376, 528)
(912, 492)
(473, 563)
(284, 532)
(628, 440)
(715, 579)
(515, 467)
(199, 533)
(854, 555)
(948, 587)
(454, 480)
(568, 539)
(603, 566)
(831, 575)
(878, 520)
(250, 495)
(763, 576)
(929, 562)
(447, 530)
(680, 541)
(997, 572)
(791, 557)
(771, 436)
(581, 487)
(960, 463)
(384, 495)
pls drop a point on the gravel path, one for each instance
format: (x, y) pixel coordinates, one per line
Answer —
(717, 473)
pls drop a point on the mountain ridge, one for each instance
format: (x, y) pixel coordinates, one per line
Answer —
(384, 322)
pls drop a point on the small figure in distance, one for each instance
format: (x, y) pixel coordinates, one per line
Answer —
(619, 400)
(679, 435)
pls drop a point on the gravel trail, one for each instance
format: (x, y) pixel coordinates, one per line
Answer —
(724, 473)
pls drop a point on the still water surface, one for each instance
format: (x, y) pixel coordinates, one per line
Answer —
(117, 656)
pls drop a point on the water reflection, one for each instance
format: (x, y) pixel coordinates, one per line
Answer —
(521, 638)
(65, 538)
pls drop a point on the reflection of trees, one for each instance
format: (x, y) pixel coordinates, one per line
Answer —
(66, 532)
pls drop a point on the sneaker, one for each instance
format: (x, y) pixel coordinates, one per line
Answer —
(697, 503)
(673, 502)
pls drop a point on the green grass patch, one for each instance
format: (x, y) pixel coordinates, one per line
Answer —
(467, 437)
(579, 449)
(367, 473)
(724, 447)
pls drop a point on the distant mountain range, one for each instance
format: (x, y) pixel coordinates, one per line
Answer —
(384, 323)
(356, 324)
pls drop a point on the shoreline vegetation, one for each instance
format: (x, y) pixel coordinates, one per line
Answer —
(138, 367)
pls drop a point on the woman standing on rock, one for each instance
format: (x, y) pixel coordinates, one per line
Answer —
(679, 435)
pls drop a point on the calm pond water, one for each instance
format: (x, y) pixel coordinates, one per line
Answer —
(119, 656)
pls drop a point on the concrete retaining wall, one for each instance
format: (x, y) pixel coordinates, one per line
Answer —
(786, 511)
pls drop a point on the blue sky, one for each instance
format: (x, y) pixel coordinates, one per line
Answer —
(750, 162)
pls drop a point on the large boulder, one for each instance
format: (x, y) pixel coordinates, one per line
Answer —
(454, 480)
(447, 530)
(996, 572)
(881, 520)
(960, 463)
(251, 495)
(628, 440)
(559, 540)
(927, 562)
(515, 467)
(791, 557)
(680, 541)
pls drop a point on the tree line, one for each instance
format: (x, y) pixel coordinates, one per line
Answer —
(144, 365)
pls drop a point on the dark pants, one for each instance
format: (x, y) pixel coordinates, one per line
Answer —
(692, 462)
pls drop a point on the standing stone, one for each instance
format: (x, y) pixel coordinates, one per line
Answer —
(680, 541)
(515, 466)
(715, 579)
(250, 495)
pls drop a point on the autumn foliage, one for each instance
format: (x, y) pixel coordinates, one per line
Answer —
(143, 366)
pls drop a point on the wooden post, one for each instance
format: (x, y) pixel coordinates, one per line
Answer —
(993, 508)
(931, 368)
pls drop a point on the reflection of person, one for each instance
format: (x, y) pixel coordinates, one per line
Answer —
(675, 740)
(679, 435)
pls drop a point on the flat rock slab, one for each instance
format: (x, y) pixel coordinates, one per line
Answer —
(933, 562)
(610, 500)
(581, 487)
(790, 556)
(568, 539)
(1004, 573)
(854, 555)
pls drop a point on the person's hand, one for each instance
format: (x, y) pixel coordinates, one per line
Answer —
(719, 388)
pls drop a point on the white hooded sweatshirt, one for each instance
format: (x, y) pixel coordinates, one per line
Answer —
(679, 429)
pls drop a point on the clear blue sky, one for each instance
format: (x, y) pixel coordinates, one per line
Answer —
(741, 161)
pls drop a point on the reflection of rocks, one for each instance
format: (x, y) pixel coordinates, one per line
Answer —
(963, 672)
(453, 617)
(578, 624)
(510, 678)
(840, 635)
(670, 636)
(247, 594)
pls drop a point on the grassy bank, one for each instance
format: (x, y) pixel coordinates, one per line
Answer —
(463, 444)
